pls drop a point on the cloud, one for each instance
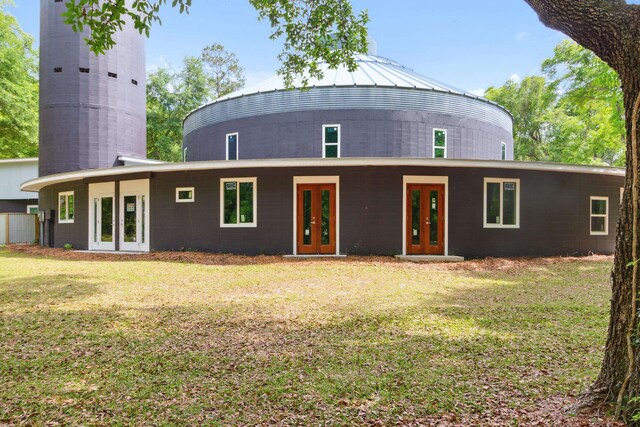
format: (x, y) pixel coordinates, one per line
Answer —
(522, 35)
(515, 78)
(477, 92)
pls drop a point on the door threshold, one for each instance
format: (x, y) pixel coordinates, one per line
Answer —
(430, 258)
(113, 252)
(302, 256)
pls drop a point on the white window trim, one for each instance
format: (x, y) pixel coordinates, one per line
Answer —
(253, 224)
(419, 179)
(193, 194)
(226, 144)
(33, 206)
(484, 202)
(325, 143)
(332, 179)
(66, 194)
(605, 216)
(503, 149)
(446, 142)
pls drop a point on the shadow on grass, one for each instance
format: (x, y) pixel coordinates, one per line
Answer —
(45, 289)
(243, 363)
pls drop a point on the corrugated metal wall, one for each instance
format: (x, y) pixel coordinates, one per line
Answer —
(18, 228)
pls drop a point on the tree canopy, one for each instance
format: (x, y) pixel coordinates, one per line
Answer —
(172, 94)
(18, 89)
(572, 113)
(311, 30)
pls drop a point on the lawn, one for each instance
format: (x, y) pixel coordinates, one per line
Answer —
(224, 340)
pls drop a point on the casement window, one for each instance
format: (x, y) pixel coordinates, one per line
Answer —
(504, 150)
(232, 146)
(65, 207)
(330, 141)
(501, 203)
(439, 143)
(238, 202)
(599, 215)
(185, 194)
(32, 209)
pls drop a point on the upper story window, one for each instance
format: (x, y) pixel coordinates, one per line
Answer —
(503, 146)
(238, 202)
(65, 207)
(599, 215)
(439, 143)
(232, 146)
(501, 203)
(330, 141)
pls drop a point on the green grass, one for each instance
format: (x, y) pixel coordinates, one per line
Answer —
(297, 343)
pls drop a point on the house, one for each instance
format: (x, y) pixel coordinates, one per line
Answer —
(382, 160)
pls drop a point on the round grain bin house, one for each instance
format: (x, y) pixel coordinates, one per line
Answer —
(381, 160)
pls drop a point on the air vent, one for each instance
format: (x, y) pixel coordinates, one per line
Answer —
(114, 75)
(57, 69)
(83, 70)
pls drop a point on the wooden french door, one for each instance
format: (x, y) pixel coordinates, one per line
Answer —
(425, 219)
(316, 219)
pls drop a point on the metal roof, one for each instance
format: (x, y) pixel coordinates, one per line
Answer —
(38, 183)
(372, 71)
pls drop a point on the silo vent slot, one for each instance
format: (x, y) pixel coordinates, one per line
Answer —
(83, 70)
(114, 75)
(57, 70)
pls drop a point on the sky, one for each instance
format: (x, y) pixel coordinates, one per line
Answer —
(468, 43)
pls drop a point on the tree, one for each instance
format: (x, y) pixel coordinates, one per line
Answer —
(312, 29)
(171, 95)
(611, 29)
(18, 89)
(531, 102)
(590, 93)
(572, 113)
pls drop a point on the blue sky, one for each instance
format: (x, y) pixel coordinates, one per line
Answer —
(468, 43)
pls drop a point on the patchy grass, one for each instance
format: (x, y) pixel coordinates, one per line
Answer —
(138, 340)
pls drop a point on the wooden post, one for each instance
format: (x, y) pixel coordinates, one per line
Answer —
(7, 225)
(37, 225)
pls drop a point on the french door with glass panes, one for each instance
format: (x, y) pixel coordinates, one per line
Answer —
(134, 215)
(316, 219)
(425, 219)
(102, 221)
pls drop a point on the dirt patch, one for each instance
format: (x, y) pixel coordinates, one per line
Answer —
(205, 258)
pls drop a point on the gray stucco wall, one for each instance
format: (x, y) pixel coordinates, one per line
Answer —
(364, 133)
(88, 119)
(554, 209)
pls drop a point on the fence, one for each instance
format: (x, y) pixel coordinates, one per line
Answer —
(18, 228)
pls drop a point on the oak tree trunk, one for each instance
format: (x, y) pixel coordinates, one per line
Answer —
(611, 29)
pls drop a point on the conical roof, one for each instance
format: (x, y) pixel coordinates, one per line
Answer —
(372, 71)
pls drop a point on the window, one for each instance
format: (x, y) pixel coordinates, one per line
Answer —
(32, 209)
(501, 203)
(65, 207)
(238, 202)
(134, 82)
(440, 143)
(185, 194)
(57, 70)
(599, 215)
(114, 75)
(232, 146)
(330, 141)
(504, 150)
(83, 70)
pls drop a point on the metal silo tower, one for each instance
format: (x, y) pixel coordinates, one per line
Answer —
(92, 108)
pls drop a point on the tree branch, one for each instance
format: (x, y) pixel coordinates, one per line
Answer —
(598, 25)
